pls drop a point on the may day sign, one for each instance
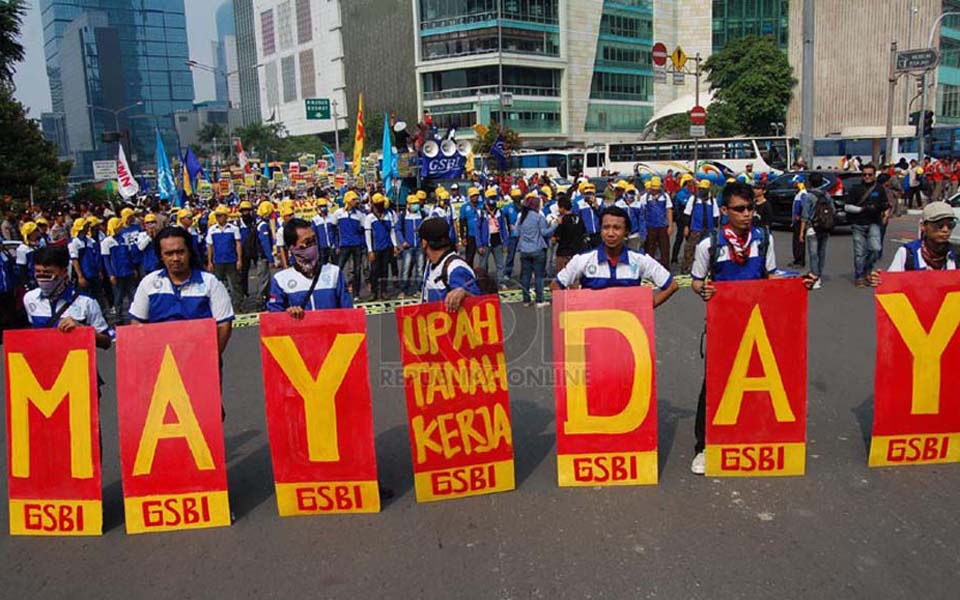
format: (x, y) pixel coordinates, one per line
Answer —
(455, 377)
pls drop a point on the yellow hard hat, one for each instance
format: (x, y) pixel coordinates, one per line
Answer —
(490, 193)
(631, 189)
(212, 218)
(655, 182)
(621, 185)
(704, 184)
(421, 194)
(42, 221)
(125, 214)
(646, 185)
(350, 197)
(77, 227)
(473, 192)
(286, 211)
(285, 203)
(184, 213)
(413, 199)
(515, 192)
(151, 218)
(379, 198)
(322, 202)
(548, 191)
(443, 194)
(93, 221)
(733, 180)
(27, 228)
(246, 205)
(221, 209)
(588, 188)
(685, 178)
(113, 226)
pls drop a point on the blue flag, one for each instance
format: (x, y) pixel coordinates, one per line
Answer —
(194, 168)
(388, 166)
(499, 151)
(165, 183)
(266, 168)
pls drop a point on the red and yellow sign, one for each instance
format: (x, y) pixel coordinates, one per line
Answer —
(53, 454)
(319, 413)
(225, 187)
(757, 378)
(916, 410)
(603, 344)
(458, 405)
(171, 433)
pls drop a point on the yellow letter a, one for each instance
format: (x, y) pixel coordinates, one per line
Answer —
(320, 411)
(926, 348)
(738, 383)
(169, 391)
(575, 325)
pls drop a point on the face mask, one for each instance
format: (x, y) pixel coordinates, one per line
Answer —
(248, 219)
(306, 258)
(52, 287)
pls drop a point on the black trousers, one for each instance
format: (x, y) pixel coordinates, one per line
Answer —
(380, 272)
(471, 250)
(799, 247)
(356, 253)
(700, 425)
(678, 238)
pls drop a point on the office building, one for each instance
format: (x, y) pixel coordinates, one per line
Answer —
(191, 122)
(116, 64)
(248, 75)
(54, 126)
(227, 84)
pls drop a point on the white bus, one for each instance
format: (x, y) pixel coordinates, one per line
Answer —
(564, 163)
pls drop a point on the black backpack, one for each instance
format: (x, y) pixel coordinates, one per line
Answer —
(715, 248)
(487, 284)
(823, 213)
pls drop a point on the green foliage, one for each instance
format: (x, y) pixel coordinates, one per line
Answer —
(753, 82)
(486, 136)
(29, 160)
(11, 50)
(722, 120)
(264, 139)
(91, 194)
(674, 127)
(213, 131)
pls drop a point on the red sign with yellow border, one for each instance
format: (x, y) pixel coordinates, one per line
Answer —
(53, 450)
(319, 413)
(916, 409)
(606, 391)
(171, 432)
(458, 404)
(757, 379)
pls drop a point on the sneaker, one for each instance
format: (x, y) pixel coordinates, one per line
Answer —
(402, 296)
(527, 304)
(699, 464)
(542, 304)
(817, 284)
(861, 283)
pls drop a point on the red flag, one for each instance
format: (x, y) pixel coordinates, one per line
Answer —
(242, 157)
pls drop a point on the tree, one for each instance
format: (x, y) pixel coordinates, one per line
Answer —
(11, 50)
(29, 162)
(212, 131)
(264, 139)
(752, 82)
(487, 135)
(674, 127)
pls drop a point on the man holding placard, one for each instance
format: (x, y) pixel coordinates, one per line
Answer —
(447, 276)
(932, 252)
(738, 251)
(309, 284)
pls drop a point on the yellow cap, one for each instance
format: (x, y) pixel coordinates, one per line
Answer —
(322, 202)
(113, 226)
(379, 198)
(93, 221)
(27, 228)
(151, 218)
(685, 178)
(733, 180)
(443, 194)
(286, 211)
(646, 185)
(126, 213)
(588, 188)
(548, 191)
(78, 225)
(655, 182)
(490, 193)
(421, 194)
(413, 199)
(42, 221)
(265, 209)
(631, 189)
(221, 209)
(621, 185)
(350, 197)
(515, 192)
(285, 203)
(245, 205)
(473, 192)
(704, 184)
(184, 213)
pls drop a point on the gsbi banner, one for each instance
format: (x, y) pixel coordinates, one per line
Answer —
(53, 454)
(458, 405)
(603, 344)
(319, 413)
(757, 378)
(171, 433)
(916, 408)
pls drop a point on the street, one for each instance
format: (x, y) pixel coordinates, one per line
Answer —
(843, 530)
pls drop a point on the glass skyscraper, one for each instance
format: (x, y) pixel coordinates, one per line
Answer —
(128, 52)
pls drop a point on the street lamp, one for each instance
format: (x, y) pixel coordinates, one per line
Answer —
(116, 113)
(216, 71)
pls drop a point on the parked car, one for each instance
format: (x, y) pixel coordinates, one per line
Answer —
(836, 184)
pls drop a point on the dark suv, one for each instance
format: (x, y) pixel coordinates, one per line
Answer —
(836, 184)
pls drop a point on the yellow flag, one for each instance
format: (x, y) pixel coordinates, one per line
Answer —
(358, 140)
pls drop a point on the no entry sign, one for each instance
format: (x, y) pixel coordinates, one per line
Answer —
(659, 54)
(698, 115)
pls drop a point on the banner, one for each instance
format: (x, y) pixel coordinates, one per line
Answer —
(319, 413)
(171, 433)
(757, 378)
(916, 409)
(606, 390)
(128, 186)
(224, 187)
(442, 167)
(458, 405)
(53, 454)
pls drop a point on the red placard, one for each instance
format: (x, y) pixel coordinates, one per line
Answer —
(916, 410)
(171, 433)
(603, 344)
(319, 414)
(53, 454)
(757, 378)
(458, 405)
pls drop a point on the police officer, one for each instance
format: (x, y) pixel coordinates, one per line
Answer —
(447, 277)
(310, 284)
(702, 215)
(224, 259)
(739, 251)
(614, 264)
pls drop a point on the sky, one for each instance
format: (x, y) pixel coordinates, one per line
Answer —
(33, 90)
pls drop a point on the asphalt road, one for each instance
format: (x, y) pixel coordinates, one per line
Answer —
(843, 530)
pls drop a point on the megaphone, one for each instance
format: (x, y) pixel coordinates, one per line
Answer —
(399, 126)
(464, 147)
(431, 149)
(448, 147)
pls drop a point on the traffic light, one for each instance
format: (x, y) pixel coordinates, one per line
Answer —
(928, 120)
(914, 118)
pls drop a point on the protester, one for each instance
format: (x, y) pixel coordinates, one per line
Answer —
(738, 251)
(796, 220)
(763, 216)
(149, 261)
(589, 214)
(816, 223)
(224, 260)
(469, 223)
(659, 222)
(688, 190)
(350, 222)
(636, 208)
(933, 251)
(84, 252)
(30, 235)
(866, 213)
(411, 255)
(511, 212)
(246, 225)
(326, 230)
(570, 234)
(310, 284)
(490, 235)
(381, 239)
(120, 267)
(447, 276)
(532, 229)
(702, 215)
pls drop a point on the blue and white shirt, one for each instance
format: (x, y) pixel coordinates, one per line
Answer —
(697, 209)
(148, 253)
(158, 300)
(594, 271)
(408, 228)
(265, 237)
(326, 230)
(289, 288)
(912, 251)
(8, 280)
(589, 216)
(84, 310)
(350, 225)
(25, 259)
(222, 242)
(484, 234)
(129, 236)
(117, 257)
(469, 215)
(637, 211)
(86, 251)
(380, 232)
(459, 275)
(657, 207)
(726, 269)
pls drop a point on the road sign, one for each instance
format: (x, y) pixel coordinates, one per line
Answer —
(317, 108)
(104, 170)
(679, 78)
(678, 58)
(698, 115)
(659, 75)
(659, 54)
(917, 60)
(698, 131)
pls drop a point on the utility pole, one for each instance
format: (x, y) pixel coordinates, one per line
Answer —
(696, 102)
(890, 100)
(500, 60)
(336, 127)
(807, 95)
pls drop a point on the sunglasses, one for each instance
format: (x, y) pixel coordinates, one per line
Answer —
(741, 208)
(865, 175)
(945, 223)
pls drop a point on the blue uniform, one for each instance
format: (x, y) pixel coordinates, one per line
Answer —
(459, 275)
(158, 300)
(117, 258)
(408, 228)
(265, 237)
(222, 242)
(909, 257)
(483, 231)
(83, 309)
(86, 251)
(657, 207)
(703, 214)
(149, 261)
(726, 269)
(25, 262)
(289, 288)
(380, 233)
(637, 212)
(469, 217)
(326, 231)
(594, 270)
(446, 213)
(350, 225)
(129, 236)
(511, 213)
(244, 231)
(8, 280)
(588, 216)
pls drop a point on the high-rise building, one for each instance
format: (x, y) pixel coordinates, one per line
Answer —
(227, 84)
(248, 74)
(948, 74)
(117, 65)
(54, 128)
(735, 19)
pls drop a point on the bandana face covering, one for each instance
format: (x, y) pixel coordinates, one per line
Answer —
(739, 246)
(306, 259)
(53, 287)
